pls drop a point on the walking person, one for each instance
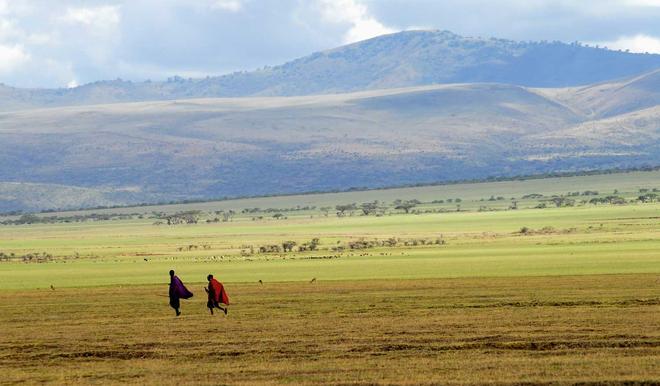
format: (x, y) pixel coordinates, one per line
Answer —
(217, 295)
(178, 291)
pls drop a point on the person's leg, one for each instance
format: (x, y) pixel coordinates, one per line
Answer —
(222, 309)
(176, 304)
(209, 305)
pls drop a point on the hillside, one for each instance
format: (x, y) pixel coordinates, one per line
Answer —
(404, 59)
(216, 147)
(613, 98)
(35, 197)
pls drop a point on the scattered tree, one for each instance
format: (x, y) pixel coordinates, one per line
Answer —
(562, 201)
(342, 209)
(287, 246)
(369, 207)
(406, 206)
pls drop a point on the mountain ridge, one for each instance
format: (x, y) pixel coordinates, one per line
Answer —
(403, 59)
(215, 147)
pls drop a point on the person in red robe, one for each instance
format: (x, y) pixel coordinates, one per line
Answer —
(217, 295)
(177, 291)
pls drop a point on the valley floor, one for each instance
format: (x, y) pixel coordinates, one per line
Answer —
(476, 293)
(596, 329)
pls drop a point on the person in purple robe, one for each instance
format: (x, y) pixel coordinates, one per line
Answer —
(178, 291)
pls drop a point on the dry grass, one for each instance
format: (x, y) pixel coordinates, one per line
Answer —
(465, 331)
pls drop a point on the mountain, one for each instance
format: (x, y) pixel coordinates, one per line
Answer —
(215, 147)
(404, 59)
(613, 98)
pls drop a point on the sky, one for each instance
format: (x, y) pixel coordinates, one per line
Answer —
(65, 43)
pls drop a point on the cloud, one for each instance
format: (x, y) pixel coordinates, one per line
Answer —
(639, 43)
(11, 57)
(7, 29)
(644, 3)
(356, 15)
(227, 5)
(49, 43)
(102, 16)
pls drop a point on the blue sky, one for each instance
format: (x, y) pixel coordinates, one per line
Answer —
(60, 43)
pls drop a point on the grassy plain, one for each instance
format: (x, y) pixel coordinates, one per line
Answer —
(543, 330)
(585, 240)
(574, 299)
(470, 193)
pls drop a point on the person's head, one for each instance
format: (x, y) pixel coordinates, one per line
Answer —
(171, 272)
(209, 277)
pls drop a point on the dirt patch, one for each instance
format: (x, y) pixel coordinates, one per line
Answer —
(576, 303)
(474, 344)
(107, 354)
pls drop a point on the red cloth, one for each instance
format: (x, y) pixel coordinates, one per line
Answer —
(217, 292)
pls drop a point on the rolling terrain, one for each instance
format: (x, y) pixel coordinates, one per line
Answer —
(404, 59)
(209, 148)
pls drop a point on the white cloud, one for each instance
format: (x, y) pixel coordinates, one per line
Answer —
(644, 3)
(638, 43)
(12, 57)
(10, 33)
(362, 24)
(52, 42)
(7, 29)
(227, 5)
(39, 39)
(103, 16)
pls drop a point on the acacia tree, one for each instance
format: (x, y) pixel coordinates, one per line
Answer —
(228, 215)
(650, 197)
(369, 207)
(563, 201)
(341, 209)
(406, 206)
(288, 246)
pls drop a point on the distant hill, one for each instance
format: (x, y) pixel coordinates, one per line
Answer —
(34, 197)
(613, 98)
(404, 59)
(215, 147)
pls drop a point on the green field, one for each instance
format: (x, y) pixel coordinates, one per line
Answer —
(474, 292)
(470, 193)
(585, 240)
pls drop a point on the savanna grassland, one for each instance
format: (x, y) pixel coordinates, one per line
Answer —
(511, 284)
(466, 331)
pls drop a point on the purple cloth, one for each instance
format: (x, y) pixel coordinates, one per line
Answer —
(178, 290)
